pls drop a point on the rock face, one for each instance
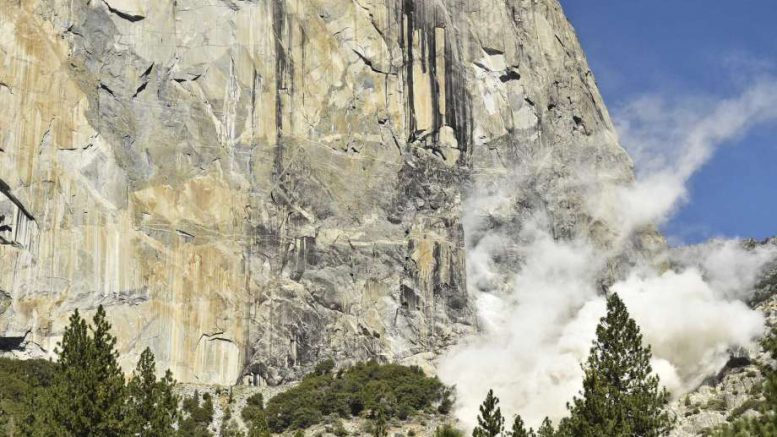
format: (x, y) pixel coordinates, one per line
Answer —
(249, 186)
(736, 392)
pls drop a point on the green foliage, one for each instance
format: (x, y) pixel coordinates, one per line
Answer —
(254, 416)
(365, 389)
(152, 407)
(379, 426)
(490, 420)
(198, 416)
(108, 382)
(88, 394)
(339, 429)
(258, 427)
(446, 404)
(750, 404)
(254, 411)
(84, 393)
(545, 429)
(229, 427)
(716, 404)
(20, 383)
(447, 431)
(325, 367)
(518, 429)
(621, 395)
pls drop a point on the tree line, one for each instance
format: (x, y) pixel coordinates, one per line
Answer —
(85, 393)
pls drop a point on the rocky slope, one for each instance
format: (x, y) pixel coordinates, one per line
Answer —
(251, 185)
(737, 390)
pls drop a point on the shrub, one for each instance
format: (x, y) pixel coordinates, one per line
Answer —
(199, 415)
(339, 429)
(366, 388)
(324, 367)
(254, 408)
(750, 404)
(447, 431)
(718, 404)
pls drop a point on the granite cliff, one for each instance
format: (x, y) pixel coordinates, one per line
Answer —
(249, 186)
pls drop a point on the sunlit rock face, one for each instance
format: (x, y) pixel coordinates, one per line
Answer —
(251, 186)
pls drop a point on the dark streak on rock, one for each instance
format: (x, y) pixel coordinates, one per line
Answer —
(492, 51)
(425, 17)
(6, 190)
(129, 17)
(148, 71)
(406, 44)
(6, 86)
(510, 75)
(108, 90)
(181, 80)
(281, 68)
(368, 62)
(140, 89)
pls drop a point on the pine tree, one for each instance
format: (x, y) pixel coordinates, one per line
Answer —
(490, 420)
(621, 396)
(518, 429)
(66, 408)
(87, 397)
(108, 386)
(152, 407)
(545, 429)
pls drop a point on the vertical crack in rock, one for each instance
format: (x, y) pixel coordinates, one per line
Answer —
(433, 71)
(282, 79)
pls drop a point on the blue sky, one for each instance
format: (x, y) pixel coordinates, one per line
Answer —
(691, 49)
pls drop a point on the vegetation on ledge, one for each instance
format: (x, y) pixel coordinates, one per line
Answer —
(379, 391)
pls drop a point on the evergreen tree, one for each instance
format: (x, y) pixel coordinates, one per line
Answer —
(108, 384)
(490, 420)
(68, 408)
(518, 428)
(152, 407)
(545, 429)
(88, 395)
(621, 396)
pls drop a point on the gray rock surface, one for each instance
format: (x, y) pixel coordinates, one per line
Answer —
(737, 390)
(251, 186)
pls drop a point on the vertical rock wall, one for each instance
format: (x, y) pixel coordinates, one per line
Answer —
(251, 186)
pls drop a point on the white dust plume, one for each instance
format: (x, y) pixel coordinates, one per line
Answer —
(537, 328)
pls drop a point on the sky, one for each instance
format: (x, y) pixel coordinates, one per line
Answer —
(692, 51)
